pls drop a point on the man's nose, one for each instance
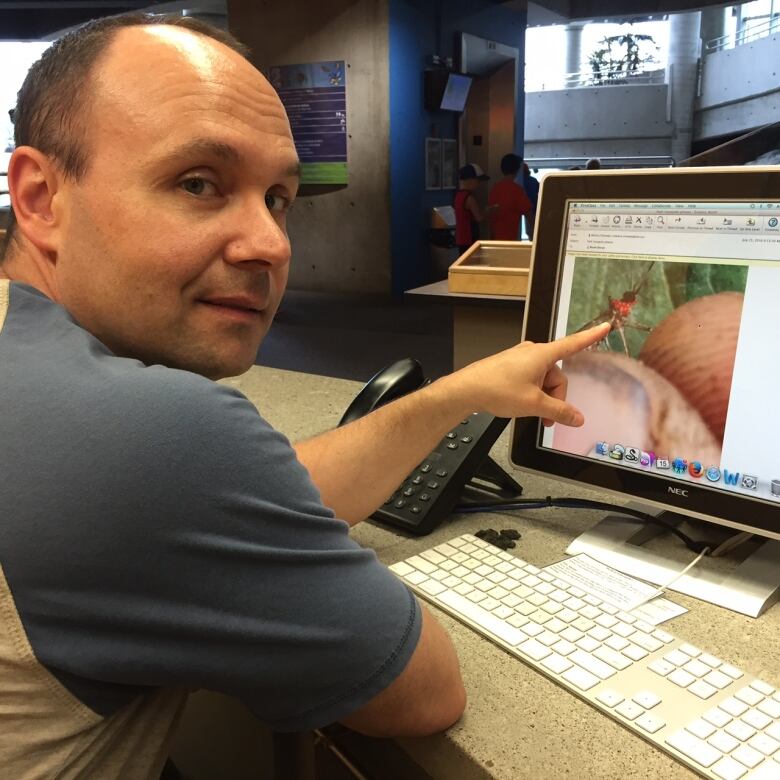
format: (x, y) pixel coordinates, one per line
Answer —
(257, 236)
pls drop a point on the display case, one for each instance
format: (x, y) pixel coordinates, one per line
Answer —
(492, 268)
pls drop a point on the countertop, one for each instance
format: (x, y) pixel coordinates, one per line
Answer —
(518, 724)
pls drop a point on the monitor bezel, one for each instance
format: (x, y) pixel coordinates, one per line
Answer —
(664, 185)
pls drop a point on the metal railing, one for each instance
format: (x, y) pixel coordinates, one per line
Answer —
(745, 35)
(610, 78)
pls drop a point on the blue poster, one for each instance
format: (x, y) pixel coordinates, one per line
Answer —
(314, 95)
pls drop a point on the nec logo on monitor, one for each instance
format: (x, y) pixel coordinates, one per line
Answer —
(677, 491)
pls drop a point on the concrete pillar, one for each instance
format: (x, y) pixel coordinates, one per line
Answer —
(684, 44)
(713, 24)
(573, 48)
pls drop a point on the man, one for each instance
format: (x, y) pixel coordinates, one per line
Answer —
(468, 214)
(531, 187)
(510, 201)
(158, 535)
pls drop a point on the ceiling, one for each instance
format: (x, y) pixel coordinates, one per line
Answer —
(36, 19)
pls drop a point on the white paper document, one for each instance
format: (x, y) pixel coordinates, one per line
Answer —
(604, 583)
(658, 611)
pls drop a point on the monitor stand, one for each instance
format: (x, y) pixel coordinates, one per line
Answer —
(749, 588)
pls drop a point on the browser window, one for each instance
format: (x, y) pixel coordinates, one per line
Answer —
(685, 384)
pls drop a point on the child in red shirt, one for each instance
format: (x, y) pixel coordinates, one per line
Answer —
(468, 214)
(509, 201)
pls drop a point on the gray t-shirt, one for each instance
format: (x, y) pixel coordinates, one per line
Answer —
(157, 533)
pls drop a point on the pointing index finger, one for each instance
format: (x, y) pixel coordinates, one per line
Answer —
(566, 347)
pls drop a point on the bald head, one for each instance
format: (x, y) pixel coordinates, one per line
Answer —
(53, 104)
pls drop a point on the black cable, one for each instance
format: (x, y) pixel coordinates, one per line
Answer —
(582, 503)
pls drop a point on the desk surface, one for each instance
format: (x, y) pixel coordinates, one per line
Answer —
(441, 290)
(519, 724)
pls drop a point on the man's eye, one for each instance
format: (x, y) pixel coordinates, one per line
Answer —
(196, 185)
(277, 203)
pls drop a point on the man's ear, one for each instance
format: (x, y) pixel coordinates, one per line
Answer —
(34, 182)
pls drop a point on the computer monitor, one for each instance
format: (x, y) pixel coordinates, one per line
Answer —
(681, 398)
(446, 91)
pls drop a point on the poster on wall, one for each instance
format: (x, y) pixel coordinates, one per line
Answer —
(314, 95)
(433, 163)
(449, 164)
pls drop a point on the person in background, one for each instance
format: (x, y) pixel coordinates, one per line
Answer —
(468, 213)
(510, 201)
(531, 187)
(594, 164)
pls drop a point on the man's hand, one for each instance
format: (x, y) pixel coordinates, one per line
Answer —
(523, 381)
(379, 450)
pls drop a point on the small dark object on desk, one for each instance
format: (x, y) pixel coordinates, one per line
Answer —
(502, 540)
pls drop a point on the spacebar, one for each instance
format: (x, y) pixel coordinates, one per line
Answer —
(482, 618)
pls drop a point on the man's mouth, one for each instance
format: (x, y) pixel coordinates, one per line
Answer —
(240, 305)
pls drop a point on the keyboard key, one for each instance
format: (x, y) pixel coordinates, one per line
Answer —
(567, 615)
(401, 569)
(645, 641)
(416, 577)
(555, 625)
(718, 679)
(702, 689)
(770, 707)
(764, 744)
(547, 638)
(617, 642)
(762, 687)
(661, 667)
(532, 629)
(498, 592)
(774, 731)
(609, 609)
(592, 600)
(539, 617)
(710, 660)
(606, 621)
(663, 636)
(634, 652)
(531, 580)
(740, 730)
(647, 699)
(700, 728)
(717, 717)
(582, 624)
(593, 665)
(681, 678)
(612, 657)
(552, 608)
(697, 668)
(489, 604)
(525, 608)
(545, 588)
(677, 658)
(464, 588)
(503, 631)
(747, 756)
(690, 650)
(728, 769)
(563, 647)
(590, 612)
(694, 748)
(572, 635)
(451, 582)
(629, 710)
(573, 603)
(650, 723)
(731, 671)
(556, 663)
(734, 707)
(580, 678)
(511, 600)
(433, 556)
(723, 742)
(756, 719)
(587, 643)
(626, 617)
(517, 620)
(535, 650)
(503, 612)
(421, 564)
(537, 599)
(440, 575)
(749, 695)
(432, 587)
(623, 629)
(610, 698)
(580, 594)
(599, 633)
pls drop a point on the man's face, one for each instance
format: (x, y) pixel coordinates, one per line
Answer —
(174, 247)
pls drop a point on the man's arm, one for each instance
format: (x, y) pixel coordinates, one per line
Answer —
(427, 697)
(356, 467)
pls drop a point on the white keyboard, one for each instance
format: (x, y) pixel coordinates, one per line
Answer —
(717, 719)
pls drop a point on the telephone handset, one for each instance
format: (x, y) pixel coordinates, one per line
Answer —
(457, 470)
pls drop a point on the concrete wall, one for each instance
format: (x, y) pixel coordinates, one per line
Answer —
(740, 88)
(598, 121)
(340, 237)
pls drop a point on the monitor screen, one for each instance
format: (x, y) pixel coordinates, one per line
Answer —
(680, 399)
(456, 92)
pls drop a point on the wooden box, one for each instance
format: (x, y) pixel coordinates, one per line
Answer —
(492, 268)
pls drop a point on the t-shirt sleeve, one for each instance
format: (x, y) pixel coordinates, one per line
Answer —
(184, 545)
